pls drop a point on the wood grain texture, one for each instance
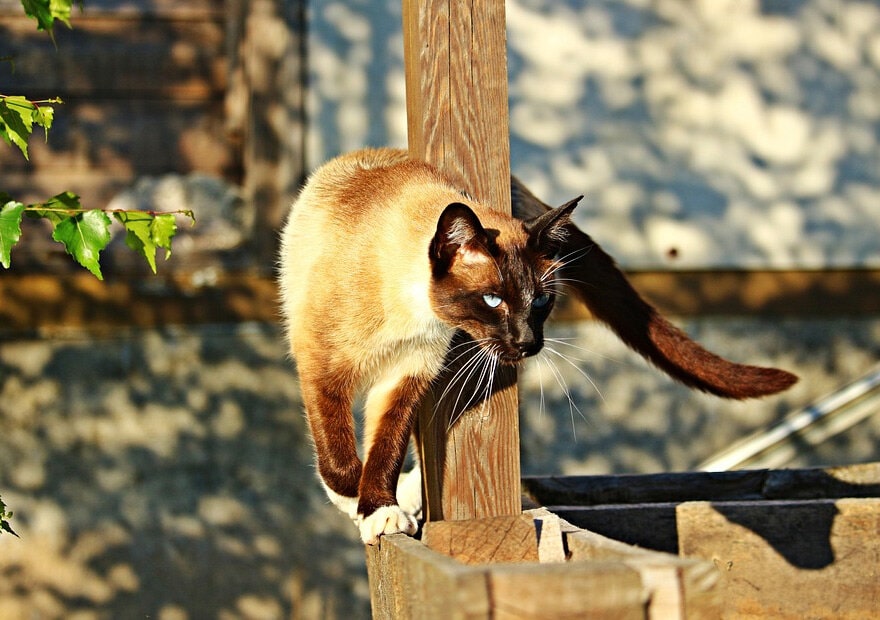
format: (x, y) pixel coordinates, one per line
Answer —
(484, 541)
(408, 580)
(456, 74)
(577, 590)
(789, 559)
(457, 114)
(677, 588)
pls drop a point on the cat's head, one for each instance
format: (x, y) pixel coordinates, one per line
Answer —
(497, 285)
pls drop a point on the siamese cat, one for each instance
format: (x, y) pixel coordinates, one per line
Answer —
(383, 260)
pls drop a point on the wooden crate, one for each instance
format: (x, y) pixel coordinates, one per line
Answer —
(532, 566)
(747, 544)
(787, 543)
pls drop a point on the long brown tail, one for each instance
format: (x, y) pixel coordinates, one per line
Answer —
(597, 281)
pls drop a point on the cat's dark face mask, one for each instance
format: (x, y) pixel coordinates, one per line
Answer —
(500, 292)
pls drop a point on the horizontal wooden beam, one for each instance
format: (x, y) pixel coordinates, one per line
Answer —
(771, 293)
(34, 297)
(833, 482)
(77, 299)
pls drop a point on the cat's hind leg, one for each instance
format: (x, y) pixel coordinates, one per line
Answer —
(409, 491)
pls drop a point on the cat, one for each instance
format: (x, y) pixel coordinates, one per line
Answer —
(384, 260)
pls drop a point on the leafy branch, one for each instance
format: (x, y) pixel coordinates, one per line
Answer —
(18, 116)
(86, 232)
(83, 232)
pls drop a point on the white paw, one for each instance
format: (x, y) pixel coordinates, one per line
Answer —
(409, 492)
(386, 520)
(348, 505)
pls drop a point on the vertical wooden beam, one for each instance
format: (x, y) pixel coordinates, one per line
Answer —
(456, 80)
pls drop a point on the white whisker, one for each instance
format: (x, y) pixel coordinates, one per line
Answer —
(562, 341)
(541, 403)
(482, 366)
(577, 368)
(572, 406)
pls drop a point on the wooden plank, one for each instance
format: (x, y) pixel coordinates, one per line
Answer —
(651, 526)
(484, 541)
(789, 559)
(755, 292)
(456, 76)
(835, 482)
(76, 299)
(641, 509)
(641, 488)
(677, 588)
(408, 580)
(571, 590)
(456, 71)
(551, 541)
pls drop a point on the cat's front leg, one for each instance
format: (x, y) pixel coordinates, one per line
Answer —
(403, 517)
(386, 520)
(390, 410)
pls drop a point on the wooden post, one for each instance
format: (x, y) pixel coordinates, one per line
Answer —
(456, 81)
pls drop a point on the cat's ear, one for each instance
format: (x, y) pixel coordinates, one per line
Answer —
(459, 234)
(547, 231)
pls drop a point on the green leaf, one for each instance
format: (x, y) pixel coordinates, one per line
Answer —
(57, 208)
(164, 228)
(40, 11)
(47, 11)
(60, 10)
(16, 121)
(43, 116)
(146, 232)
(84, 236)
(10, 228)
(4, 525)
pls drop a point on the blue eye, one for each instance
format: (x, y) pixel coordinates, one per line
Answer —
(493, 301)
(541, 300)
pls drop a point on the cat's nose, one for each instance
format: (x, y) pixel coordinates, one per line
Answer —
(527, 347)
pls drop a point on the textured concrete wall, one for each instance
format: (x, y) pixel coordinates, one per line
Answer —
(739, 133)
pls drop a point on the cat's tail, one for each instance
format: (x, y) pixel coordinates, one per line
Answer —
(596, 280)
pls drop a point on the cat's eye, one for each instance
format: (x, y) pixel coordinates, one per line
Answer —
(541, 300)
(492, 300)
